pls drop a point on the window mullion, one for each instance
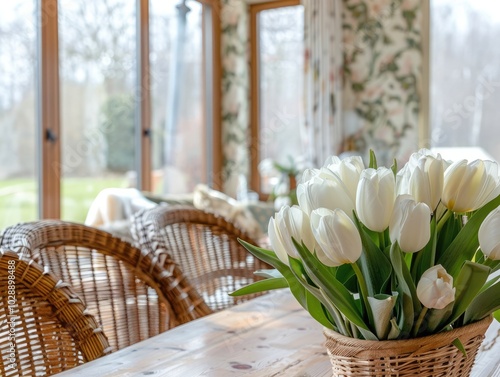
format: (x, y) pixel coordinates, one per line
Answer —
(49, 150)
(142, 97)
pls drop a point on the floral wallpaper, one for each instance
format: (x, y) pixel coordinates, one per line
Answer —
(382, 74)
(235, 92)
(381, 77)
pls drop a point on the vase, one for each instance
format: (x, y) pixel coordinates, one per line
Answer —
(432, 355)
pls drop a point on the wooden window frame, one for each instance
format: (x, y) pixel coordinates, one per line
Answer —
(255, 9)
(143, 104)
(48, 115)
(214, 142)
(48, 104)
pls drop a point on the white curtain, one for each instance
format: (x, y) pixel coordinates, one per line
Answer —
(323, 80)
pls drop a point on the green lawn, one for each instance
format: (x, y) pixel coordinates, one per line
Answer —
(19, 202)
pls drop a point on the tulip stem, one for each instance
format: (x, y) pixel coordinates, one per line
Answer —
(443, 220)
(419, 321)
(381, 237)
(363, 288)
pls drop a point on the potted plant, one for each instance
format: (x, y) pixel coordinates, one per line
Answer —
(398, 266)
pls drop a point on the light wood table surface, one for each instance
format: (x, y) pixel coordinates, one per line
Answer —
(268, 336)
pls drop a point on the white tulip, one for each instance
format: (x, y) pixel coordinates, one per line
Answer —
(325, 190)
(410, 224)
(375, 198)
(348, 170)
(290, 222)
(468, 187)
(422, 177)
(489, 235)
(336, 235)
(435, 289)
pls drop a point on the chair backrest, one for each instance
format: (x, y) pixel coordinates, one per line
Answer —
(113, 277)
(44, 326)
(205, 247)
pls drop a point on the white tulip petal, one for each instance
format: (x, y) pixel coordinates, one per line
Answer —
(468, 187)
(336, 235)
(435, 289)
(276, 242)
(375, 198)
(489, 235)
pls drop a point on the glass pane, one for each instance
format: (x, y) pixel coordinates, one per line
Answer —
(465, 75)
(177, 94)
(97, 69)
(18, 169)
(281, 46)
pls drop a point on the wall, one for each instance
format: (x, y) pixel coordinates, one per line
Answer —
(382, 76)
(235, 92)
(382, 81)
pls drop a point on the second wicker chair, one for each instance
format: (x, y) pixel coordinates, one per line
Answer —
(205, 247)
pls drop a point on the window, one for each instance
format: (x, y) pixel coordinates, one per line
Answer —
(87, 62)
(180, 123)
(277, 37)
(465, 77)
(97, 53)
(18, 169)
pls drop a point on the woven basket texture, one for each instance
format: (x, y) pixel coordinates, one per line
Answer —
(428, 356)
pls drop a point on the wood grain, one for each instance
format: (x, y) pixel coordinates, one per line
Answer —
(268, 336)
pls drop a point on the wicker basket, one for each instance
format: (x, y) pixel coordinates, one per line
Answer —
(432, 355)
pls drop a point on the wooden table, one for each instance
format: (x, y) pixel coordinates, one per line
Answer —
(269, 336)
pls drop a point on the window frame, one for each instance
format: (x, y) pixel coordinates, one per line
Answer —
(255, 9)
(48, 104)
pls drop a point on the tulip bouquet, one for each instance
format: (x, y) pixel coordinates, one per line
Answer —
(379, 254)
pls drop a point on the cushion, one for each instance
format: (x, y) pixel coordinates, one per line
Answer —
(230, 209)
(170, 199)
(114, 204)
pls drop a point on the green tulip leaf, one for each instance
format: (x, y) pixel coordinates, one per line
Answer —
(394, 167)
(268, 273)
(496, 315)
(373, 160)
(315, 301)
(261, 286)
(447, 233)
(335, 291)
(496, 266)
(394, 331)
(437, 318)
(466, 242)
(344, 273)
(425, 258)
(409, 304)
(268, 256)
(484, 304)
(490, 282)
(457, 343)
(373, 263)
(471, 278)
(382, 307)
(317, 311)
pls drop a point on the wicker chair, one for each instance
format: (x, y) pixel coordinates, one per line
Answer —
(119, 284)
(44, 326)
(205, 247)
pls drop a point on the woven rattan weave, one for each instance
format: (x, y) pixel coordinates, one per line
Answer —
(112, 277)
(429, 356)
(44, 326)
(205, 247)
